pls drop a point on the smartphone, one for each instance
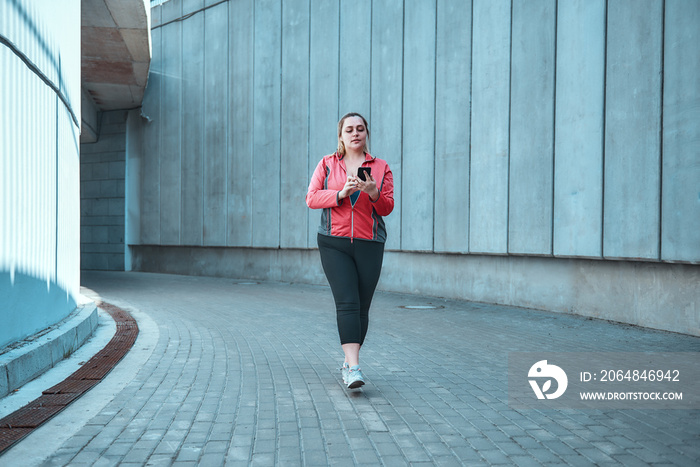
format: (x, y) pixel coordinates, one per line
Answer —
(362, 173)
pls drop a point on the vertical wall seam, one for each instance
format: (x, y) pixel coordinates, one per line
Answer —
(227, 126)
(204, 127)
(510, 116)
(164, 66)
(603, 133)
(161, 93)
(252, 133)
(403, 94)
(56, 171)
(181, 121)
(471, 120)
(279, 137)
(340, 51)
(554, 126)
(308, 126)
(202, 145)
(58, 192)
(181, 133)
(435, 73)
(371, 42)
(661, 130)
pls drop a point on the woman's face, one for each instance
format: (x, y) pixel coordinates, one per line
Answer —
(354, 134)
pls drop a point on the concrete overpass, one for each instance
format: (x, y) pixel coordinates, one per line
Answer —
(115, 57)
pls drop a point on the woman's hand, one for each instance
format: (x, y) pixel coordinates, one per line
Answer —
(349, 188)
(369, 187)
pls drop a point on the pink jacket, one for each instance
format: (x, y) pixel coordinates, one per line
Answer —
(340, 218)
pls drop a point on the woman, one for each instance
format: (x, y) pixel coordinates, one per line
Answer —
(352, 232)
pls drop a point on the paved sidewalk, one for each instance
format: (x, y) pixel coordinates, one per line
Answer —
(228, 372)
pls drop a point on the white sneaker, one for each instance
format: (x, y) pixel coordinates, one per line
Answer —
(344, 370)
(354, 379)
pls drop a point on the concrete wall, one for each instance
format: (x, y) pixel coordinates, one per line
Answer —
(656, 295)
(527, 130)
(102, 193)
(39, 165)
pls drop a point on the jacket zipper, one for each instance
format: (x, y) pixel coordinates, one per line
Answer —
(352, 212)
(352, 223)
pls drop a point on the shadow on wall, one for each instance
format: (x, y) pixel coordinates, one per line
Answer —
(30, 305)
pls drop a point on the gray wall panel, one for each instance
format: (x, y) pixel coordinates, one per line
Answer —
(680, 230)
(266, 123)
(355, 56)
(171, 112)
(189, 6)
(215, 124)
(294, 124)
(532, 127)
(192, 124)
(171, 11)
(452, 125)
(632, 129)
(150, 160)
(386, 101)
(418, 125)
(488, 210)
(323, 91)
(155, 19)
(240, 125)
(578, 167)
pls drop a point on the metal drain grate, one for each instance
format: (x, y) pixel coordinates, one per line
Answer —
(20, 423)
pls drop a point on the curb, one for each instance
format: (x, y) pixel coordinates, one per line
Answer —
(21, 365)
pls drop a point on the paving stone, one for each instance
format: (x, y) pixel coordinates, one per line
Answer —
(188, 453)
(160, 460)
(494, 457)
(559, 448)
(58, 460)
(85, 457)
(647, 455)
(136, 455)
(118, 449)
(595, 455)
(106, 461)
(582, 461)
(315, 457)
(527, 442)
(524, 461)
(482, 444)
(512, 449)
(447, 461)
(544, 455)
(347, 462)
(437, 449)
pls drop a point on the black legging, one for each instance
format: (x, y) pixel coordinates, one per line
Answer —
(353, 270)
